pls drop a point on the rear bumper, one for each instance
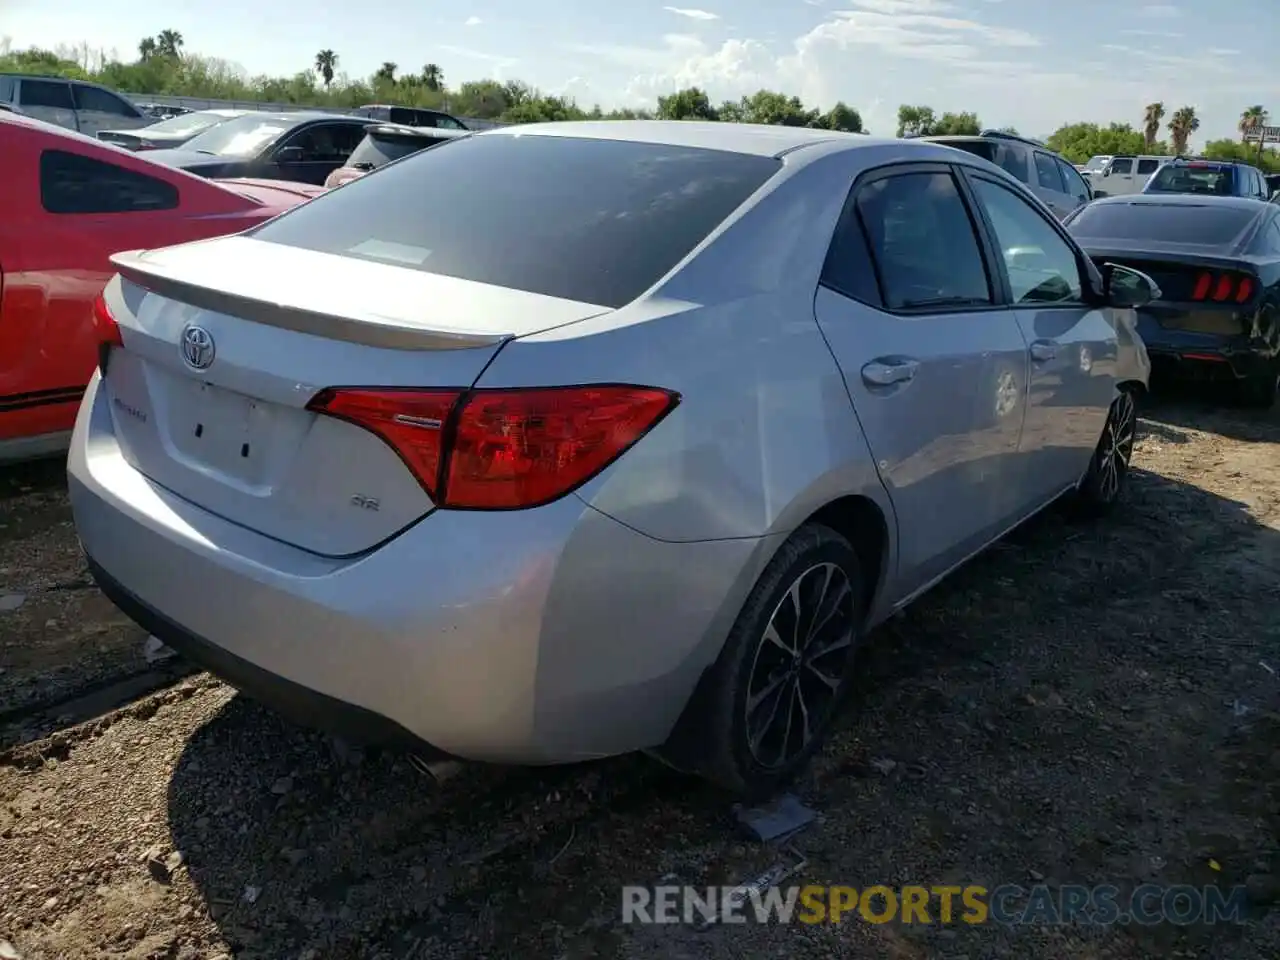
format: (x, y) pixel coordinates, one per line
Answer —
(539, 636)
(1203, 355)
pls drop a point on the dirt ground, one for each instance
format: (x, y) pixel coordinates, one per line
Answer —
(1093, 703)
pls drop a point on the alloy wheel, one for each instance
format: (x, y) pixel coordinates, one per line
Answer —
(799, 665)
(1116, 448)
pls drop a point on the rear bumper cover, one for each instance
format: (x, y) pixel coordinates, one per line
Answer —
(539, 636)
(1191, 351)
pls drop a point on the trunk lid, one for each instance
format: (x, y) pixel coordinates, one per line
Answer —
(229, 429)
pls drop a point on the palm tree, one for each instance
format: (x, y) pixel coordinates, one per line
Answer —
(1151, 118)
(432, 76)
(387, 71)
(1184, 123)
(1255, 116)
(326, 63)
(147, 48)
(169, 44)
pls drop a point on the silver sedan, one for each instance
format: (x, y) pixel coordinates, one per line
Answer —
(577, 439)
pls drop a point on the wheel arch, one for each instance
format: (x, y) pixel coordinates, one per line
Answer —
(862, 522)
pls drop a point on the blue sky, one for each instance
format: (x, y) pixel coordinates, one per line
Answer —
(1034, 65)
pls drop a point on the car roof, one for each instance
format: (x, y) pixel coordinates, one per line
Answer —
(750, 138)
(376, 127)
(1186, 200)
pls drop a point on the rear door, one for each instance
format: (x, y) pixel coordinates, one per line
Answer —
(1144, 170)
(935, 364)
(325, 147)
(99, 109)
(1073, 347)
(1117, 179)
(1077, 189)
(48, 100)
(1048, 185)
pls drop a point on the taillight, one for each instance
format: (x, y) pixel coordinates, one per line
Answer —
(502, 449)
(1221, 287)
(105, 328)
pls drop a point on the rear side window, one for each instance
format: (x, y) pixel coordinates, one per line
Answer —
(1047, 173)
(1121, 166)
(1168, 222)
(1148, 166)
(1073, 181)
(1184, 178)
(47, 93)
(71, 183)
(91, 98)
(923, 242)
(6, 89)
(1013, 160)
(597, 221)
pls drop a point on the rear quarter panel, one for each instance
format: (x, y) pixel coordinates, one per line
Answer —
(765, 433)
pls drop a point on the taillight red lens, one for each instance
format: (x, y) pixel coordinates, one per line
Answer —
(1203, 283)
(503, 449)
(105, 328)
(411, 421)
(1222, 289)
(1225, 286)
(1245, 290)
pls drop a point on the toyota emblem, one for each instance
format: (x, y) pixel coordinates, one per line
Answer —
(197, 347)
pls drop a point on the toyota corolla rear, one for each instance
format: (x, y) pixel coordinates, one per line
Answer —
(301, 465)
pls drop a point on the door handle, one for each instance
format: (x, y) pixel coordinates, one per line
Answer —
(883, 373)
(1044, 350)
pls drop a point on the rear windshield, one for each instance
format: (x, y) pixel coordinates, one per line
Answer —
(1201, 225)
(1176, 178)
(187, 124)
(598, 221)
(979, 148)
(375, 151)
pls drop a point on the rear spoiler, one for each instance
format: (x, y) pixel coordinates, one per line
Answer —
(370, 331)
(1206, 261)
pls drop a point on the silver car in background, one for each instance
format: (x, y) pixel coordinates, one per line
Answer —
(579, 439)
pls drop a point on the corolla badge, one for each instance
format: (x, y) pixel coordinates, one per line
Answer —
(197, 347)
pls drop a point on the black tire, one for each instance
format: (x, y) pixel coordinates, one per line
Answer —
(1257, 392)
(713, 739)
(1105, 481)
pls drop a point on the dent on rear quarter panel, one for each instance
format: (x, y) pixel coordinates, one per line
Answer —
(765, 433)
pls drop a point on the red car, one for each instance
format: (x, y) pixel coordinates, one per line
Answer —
(67, 202)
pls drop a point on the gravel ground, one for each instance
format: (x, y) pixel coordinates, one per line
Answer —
(1085, 703)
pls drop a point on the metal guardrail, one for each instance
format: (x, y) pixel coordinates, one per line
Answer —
(202, 103)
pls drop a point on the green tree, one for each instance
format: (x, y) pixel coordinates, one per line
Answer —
(147, 48)
(842, 117)
(1152, 116)
(387, 72)
(915, 121)
(326, 64)
(1184, 123)
(432, 77)
(169, 44)
(957, 124)
(1255, 116)
(1080, 141)
(689, 104)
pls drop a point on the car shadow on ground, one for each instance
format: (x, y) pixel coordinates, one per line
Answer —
(1210, 407)
(1062, 706)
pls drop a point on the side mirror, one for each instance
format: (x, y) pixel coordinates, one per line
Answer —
(1127, 288)
(1106, 172)
(289, 155)
(1275, 196)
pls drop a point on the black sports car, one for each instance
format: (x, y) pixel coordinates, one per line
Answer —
(1217, 263)
(301, 146)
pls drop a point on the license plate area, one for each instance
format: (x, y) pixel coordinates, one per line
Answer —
(220, 430)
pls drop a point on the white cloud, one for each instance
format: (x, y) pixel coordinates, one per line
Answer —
(1162, 34)
(1160, 10)
(473, 22)
(693, 13)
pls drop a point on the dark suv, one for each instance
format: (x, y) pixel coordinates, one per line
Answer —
(1215, 178)
(1050, 176)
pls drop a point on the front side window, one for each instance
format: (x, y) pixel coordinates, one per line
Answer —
(1047, 173)
(100, 101)
(1121, 166)
(596, 221)
(1042, 266)
(55, 94)
(71, 183)
(327, 142)
(923, 242)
